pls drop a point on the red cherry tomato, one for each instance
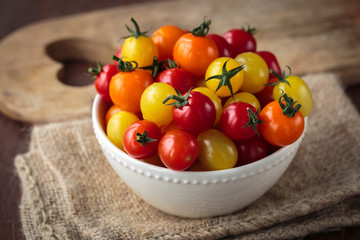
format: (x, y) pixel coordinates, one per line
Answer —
(271, 62)
(103, 77)
(178, 78)
(241, 40)
(223, 46)
(266, 95)
(238, 123)
(178, 150)
(141, 139)
(252, 150)
(194, 112)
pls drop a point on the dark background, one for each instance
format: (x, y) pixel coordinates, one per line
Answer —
(14, 136)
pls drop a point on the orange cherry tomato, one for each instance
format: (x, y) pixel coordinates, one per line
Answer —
(127, 86)
(194, 51)
(112, 110)
(165, 38)
(171, 126)
(115, 109)
(281, 129)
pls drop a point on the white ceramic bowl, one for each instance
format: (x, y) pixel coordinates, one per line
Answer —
(193, 194)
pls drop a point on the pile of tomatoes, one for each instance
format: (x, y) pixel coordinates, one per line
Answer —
(199, 101)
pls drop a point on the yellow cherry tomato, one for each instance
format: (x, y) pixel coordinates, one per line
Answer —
(214, 98)
(297, 90)
(256, 72)
(151, 103)
(216, 150)
(139, 48)
(232, 82)
(244, 97)
(117, 125)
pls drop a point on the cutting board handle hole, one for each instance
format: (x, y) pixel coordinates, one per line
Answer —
(76, 56)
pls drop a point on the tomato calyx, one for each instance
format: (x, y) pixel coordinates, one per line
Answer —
(143, 138)
(250, 30)
(202, 30)
(288, 105)
(253, 120)
(125, 66)
(180, 100)
(279, 77)
(137, 33)
(226, 76)
(155, 67)
(95, 72)
(171, 64)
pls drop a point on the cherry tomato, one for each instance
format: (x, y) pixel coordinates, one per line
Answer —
(196, 167)
(103, 77)
(117, 126)
(241, 40)
(154, 160)
(194, 51)
(239, 121)
(151, 104)
(194, 112)
(171, 126)
(127, 86)
(256, 72)
(224, 48)
(243, 97)
(281, 129)
(233, 75)
(252, 150)
(141, 139)
(217, 151)
(214, 98)
(266, 95)
(178, 78)
(165, 38)
(178, 150)
(271, 62)
(110, 112)
(139, 48)
(296, 88)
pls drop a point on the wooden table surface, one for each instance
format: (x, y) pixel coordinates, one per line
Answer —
(14, 137)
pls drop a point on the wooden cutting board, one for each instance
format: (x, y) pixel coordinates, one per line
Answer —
(310, 36)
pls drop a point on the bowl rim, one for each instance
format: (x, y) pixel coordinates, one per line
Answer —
(187, 177)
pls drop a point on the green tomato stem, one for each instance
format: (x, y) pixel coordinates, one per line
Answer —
(95, 72)
(290, 108)
(280, 78)
(143, 138)
(155, 67)
(253, 120)
(250, 30)
(125, 66)
(226, 76)
(202, 30)
(179, 99)
(137, 33)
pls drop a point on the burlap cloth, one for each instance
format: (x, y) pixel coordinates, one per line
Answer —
(71, 192)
